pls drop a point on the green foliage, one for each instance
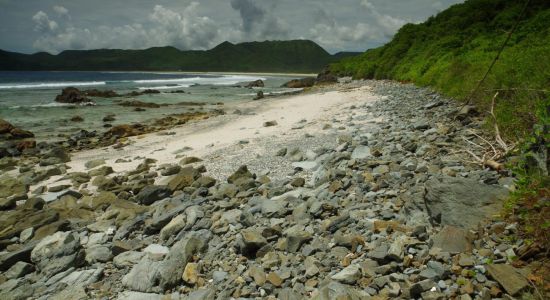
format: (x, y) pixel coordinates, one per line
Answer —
(452, 51)
(268, 56)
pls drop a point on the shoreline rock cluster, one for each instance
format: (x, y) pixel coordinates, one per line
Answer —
(391, 212)
(72, 95)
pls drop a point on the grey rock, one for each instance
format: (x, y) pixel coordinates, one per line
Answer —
(156, 251)
(94, 163)
(57, 253)
(361, 152)
(129, 295)
(335, 290)
(173, 265)
(296, 237)
(143, 276)
(98, 253)
(453, 240)
(449, 201)
(172, 228)
(20, 269)
(349, 275)
(153, 193)
(128, 259)
(306, 165)
(203, 294)
(510, 278)
(249, 241)
(418, 288)
(219, 276)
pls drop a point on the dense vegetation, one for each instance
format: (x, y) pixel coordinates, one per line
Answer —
(452, 51)
(268, 56)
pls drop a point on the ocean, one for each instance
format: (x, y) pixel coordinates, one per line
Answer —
(27, 98)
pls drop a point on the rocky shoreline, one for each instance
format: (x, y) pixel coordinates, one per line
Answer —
(380, 203)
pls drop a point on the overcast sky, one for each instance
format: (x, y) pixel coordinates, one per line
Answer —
(54, 25)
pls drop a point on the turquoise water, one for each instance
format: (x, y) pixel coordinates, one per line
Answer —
(27, 98)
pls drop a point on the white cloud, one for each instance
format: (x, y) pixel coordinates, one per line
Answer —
(335, 33)
(43, 24)
(60, 10)
(185, 30)
(259, 23)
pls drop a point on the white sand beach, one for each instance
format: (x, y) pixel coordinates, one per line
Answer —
(304, 113)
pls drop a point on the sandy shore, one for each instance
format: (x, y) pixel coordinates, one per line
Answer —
(241, 135)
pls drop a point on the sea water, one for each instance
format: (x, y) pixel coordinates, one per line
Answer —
(27, 98)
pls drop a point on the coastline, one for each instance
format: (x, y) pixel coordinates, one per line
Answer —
(342, 174)
(243, 130)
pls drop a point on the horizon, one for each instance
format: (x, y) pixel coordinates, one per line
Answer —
(56, 25)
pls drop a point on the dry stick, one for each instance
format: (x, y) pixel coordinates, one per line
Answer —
(499, 139)
(499, 52)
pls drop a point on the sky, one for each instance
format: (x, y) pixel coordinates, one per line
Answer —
(30, 26)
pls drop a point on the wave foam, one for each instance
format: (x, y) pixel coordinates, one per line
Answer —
(222, 80)
(50, 85)
(165, 87)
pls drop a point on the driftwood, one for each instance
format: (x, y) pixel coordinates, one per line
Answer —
(496, 150)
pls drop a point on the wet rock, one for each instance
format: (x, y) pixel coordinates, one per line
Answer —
(140, 104)
(72, 95)
(256, 83)
(300, 83)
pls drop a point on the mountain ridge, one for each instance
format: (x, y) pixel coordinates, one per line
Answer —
(266, 56)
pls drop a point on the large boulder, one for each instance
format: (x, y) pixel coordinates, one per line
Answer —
(10, 132)
(5, 126)
(256, 83)
(300, 83)
(72, 95)
(57, 252)
(450, 200)
(326, 77)
(12, 186)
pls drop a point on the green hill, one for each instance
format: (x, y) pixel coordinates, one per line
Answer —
(451, 52)
(268, 56)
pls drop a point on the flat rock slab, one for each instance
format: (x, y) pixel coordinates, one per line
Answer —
(462, 202)
(509, 277)
(453, 240)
